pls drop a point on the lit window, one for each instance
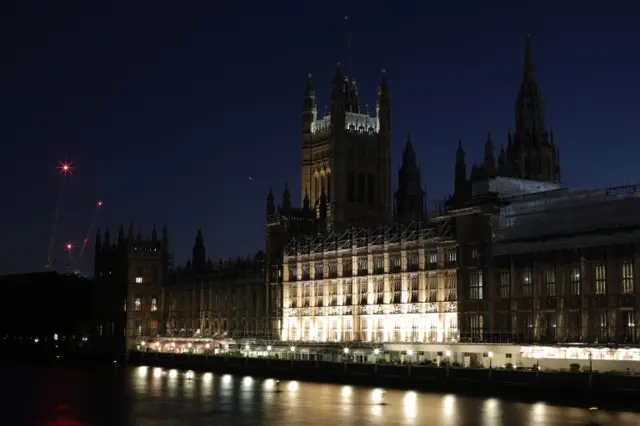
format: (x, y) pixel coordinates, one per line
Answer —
(138, 280)
(154, 304)
(138, 304)
(125, 305)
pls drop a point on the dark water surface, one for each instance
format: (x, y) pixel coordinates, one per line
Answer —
(121, 396)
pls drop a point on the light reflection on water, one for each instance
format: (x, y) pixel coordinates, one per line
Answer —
(254, 401)
(155, 397)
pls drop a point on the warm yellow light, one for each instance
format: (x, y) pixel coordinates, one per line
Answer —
(173, 374)
(490, 354)
(269, 348)
(157, 372)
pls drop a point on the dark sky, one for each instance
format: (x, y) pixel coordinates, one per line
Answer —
(167, 108)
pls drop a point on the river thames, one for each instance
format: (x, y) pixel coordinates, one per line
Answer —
(147, 396)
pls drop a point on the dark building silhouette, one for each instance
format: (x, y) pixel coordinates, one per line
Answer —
(44, 309)
(539, 262)
(410, 198)
(130, 272)
(530, 153)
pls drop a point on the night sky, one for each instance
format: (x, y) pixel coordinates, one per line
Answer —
(185, 115)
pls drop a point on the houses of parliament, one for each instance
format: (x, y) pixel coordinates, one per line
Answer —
(511, 256)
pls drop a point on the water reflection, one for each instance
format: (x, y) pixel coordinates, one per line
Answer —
(410, 405)
(156, 397)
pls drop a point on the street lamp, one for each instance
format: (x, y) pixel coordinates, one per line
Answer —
(490, 359)
(376, 351)
(346, 350)
(269, 348)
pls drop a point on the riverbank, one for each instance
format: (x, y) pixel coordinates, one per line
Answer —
(580, 388)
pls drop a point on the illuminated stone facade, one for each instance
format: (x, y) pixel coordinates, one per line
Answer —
(394, 284)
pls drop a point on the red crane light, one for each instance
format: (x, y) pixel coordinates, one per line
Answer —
(66, 168)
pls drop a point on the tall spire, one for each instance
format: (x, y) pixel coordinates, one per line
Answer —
(410, 196)
(528, 61)
(271, 207)
(346, 47)
(489, 158)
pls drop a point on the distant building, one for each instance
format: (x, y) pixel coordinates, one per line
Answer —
(43, 305)
(130, 272)
(144, 297)
(224, 299)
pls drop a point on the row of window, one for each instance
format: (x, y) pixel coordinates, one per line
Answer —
(547, 328)
(334, 294)
(548, 286)
(395, 265)
(139, 306)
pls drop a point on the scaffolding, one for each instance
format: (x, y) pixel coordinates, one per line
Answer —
(567, 212)
(415, 232)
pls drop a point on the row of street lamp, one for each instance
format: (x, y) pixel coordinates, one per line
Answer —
(345, 350)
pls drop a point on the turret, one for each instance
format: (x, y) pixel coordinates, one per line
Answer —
(323, 207)
(132, 235)
(383, 110)
(107, 240)
(338, 100)
(460, 174)
(271, 208)
(154, 235)
(309, 107)
(121, 240)
(199, 253)
(306, 204)
(502, 162)
(489, 162)
(286, 201)
(410, 196)
(98, 246)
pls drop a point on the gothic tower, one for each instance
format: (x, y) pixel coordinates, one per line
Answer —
(533, 154)
(199, 253)
(346, 155)
(410, 197)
